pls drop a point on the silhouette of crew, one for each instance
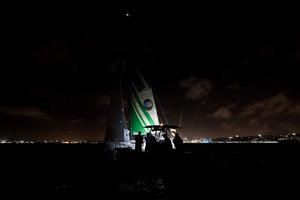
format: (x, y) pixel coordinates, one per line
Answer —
(138, 142)
(150, 143)
(167, 144)
(178, 142)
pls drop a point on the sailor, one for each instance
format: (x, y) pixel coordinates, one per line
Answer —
(150, 143)
(178, 142)
(167, 144)
(138, 142)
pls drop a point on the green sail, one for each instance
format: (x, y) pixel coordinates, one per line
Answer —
(142, 106)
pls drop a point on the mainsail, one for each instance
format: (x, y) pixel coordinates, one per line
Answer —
(142, 106)
(116, 128)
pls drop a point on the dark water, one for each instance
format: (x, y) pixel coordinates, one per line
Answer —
(204, 170)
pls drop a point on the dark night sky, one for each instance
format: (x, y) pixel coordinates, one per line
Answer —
(230, 70)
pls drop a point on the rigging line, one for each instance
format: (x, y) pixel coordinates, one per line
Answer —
(164, 115)
(122, 104)
(180, 118)
(160, 119)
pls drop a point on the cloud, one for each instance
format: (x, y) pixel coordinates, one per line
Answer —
(272, 114)
(295, 110)
(273, 106)
(254, 122)
(223, 113)
(226, 126)
(102, 100)
(46, 95)
(196, 88)
(29, 112)
(76, 121)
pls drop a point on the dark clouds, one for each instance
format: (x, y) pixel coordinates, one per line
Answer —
(227, 70)
(295, 110)
(196, 88)
(59, 115)
(275, 105)
(29, 112)
(103, 101)
(270, 115)
(223, 113)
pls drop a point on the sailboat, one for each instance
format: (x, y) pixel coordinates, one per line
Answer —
(142, 116)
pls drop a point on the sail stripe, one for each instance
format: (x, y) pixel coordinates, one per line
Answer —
(140, 112)
(140, 124)
(137, 124)
(143, 109)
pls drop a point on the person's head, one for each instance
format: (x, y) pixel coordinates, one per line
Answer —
(165, 135)
(139, 133)
(176, 134)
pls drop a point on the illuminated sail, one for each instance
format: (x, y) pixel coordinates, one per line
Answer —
(142, 106)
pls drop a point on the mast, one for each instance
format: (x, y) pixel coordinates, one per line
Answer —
(116, 129)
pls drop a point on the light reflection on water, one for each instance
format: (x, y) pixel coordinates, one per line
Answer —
(148, 187)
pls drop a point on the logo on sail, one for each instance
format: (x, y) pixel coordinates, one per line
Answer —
(148, 104)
